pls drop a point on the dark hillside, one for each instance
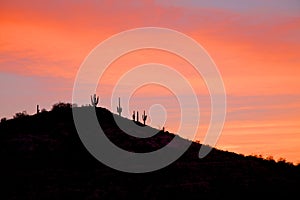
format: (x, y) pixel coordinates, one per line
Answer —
(42, 157)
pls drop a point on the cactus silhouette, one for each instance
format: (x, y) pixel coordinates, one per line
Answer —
(137, 116)
(94, 100)
(119, 108)
(133, 116)
(144, 117)
(37, 109)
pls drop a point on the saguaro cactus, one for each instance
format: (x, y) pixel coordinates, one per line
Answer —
(119, 108)
(144, 117)
(94, 100)
(37, 109)
(133, 116)
(137, 116)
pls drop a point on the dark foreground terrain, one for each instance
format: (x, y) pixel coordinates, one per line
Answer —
(42, 157)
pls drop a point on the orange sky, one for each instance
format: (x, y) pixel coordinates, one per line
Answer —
(255, 46)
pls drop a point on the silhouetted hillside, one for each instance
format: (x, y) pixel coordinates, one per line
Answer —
(42, 157)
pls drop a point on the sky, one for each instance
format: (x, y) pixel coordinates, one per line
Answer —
(255, 45)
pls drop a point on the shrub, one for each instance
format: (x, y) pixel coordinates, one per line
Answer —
(281, 160)
(3, 120)
(74, 105)
(61, 106)
(20, 115)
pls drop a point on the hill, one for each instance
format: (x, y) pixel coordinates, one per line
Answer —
(42, 157)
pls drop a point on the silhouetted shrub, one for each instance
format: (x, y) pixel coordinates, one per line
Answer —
(20, 115)
(270, 159)
(3, 120)
(61, 106)
(74, 105)
(281, 160)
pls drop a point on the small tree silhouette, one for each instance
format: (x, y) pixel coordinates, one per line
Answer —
(61, 106)
(3, 120)
(20, 115)
(43, 110)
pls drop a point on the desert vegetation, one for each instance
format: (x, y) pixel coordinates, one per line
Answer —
(42, 157)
